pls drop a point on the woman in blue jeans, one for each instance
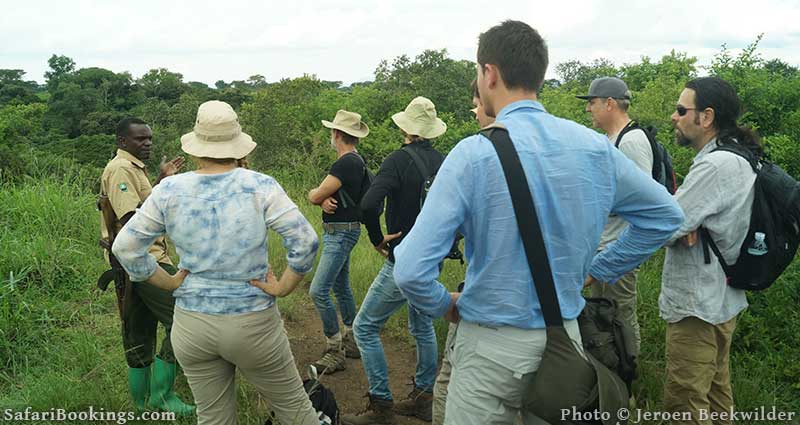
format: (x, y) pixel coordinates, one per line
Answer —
(400, 181)
(338, 195)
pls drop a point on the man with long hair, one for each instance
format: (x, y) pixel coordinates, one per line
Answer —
(698, 305)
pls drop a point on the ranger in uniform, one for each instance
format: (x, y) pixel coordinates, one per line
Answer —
(126, 185)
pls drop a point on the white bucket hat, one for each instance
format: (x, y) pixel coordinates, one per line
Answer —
(419, 118)
(217, 133)
(348, 122)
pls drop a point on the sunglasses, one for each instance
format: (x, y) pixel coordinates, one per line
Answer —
(681, 110)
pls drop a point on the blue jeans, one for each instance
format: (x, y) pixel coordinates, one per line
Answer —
(382, 300)
(333, 272)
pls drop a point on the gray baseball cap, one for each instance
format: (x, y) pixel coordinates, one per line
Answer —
(607, 87)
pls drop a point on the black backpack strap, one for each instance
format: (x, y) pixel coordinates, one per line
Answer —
(528, 223)
(742, 151)
(418, 162)
(705, 236)
(347, 200)
(631, 125)
(657, 159)
(708, 242)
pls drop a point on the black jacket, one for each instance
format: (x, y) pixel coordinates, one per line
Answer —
(400, 182)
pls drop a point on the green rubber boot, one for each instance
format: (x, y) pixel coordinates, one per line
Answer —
(139, 385)
(162, 397)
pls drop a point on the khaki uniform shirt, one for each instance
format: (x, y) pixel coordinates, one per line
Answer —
(125, 182)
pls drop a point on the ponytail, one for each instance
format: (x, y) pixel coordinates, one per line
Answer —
(744, 136)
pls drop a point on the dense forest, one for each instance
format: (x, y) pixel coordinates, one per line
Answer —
(59, 343)
(74, 114)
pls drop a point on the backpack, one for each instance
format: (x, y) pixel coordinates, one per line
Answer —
(427, 175)
(427, 182)
(662, 172)
(774, 231)
(322, 400)
(366, 182)
(611, 340)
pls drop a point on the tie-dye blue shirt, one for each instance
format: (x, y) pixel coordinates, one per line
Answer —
(218, 224)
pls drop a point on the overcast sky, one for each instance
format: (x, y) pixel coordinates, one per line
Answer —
(346, 39)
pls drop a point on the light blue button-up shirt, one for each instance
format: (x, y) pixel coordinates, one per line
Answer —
(577, 180)
(218, 224)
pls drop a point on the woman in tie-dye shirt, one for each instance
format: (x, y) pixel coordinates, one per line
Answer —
(217, 218)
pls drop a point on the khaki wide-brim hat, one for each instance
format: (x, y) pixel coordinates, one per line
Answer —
(419, 119)
(217, 133)
(348, 122)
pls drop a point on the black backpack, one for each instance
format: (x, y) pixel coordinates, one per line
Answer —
(427, 182)
(610, 339)
(774, 232)
(366, 182)
(427, 175)
(322, 399)
(662, 172)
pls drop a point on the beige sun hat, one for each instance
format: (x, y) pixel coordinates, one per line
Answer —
(217, 133)
(349, 122)
(420, 119)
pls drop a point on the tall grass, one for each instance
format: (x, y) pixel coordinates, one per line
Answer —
(60, 343)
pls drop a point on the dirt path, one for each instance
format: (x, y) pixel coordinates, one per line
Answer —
(350, 385)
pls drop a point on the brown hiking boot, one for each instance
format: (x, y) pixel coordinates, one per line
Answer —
(332, 361)
(419, 404)
(377, 412)
(350, 347)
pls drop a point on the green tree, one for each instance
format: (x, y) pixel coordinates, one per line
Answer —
(162, 84)
(86, 91)
(20, 128)
(13, 89)
(431, 74)
(257, 81)
(284, 119)
(60, 66)
(575, 73)
(675, 66)
(95, 150)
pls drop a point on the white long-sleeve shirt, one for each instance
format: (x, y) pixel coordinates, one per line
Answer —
(717, 194)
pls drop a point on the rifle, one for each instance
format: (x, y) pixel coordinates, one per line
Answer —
(122, 283)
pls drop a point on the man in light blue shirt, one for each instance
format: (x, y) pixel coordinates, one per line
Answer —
(577, 179)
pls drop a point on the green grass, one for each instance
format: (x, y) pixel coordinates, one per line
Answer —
(59, 338)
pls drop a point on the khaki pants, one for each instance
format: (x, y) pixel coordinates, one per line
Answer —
(491, 370)
(698, 368)
(624, 293)
(443, 379)
(211, 347)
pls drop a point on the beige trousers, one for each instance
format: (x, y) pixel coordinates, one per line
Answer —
(491, 370)
(698, 369)
(211, 347)
(443, 379)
